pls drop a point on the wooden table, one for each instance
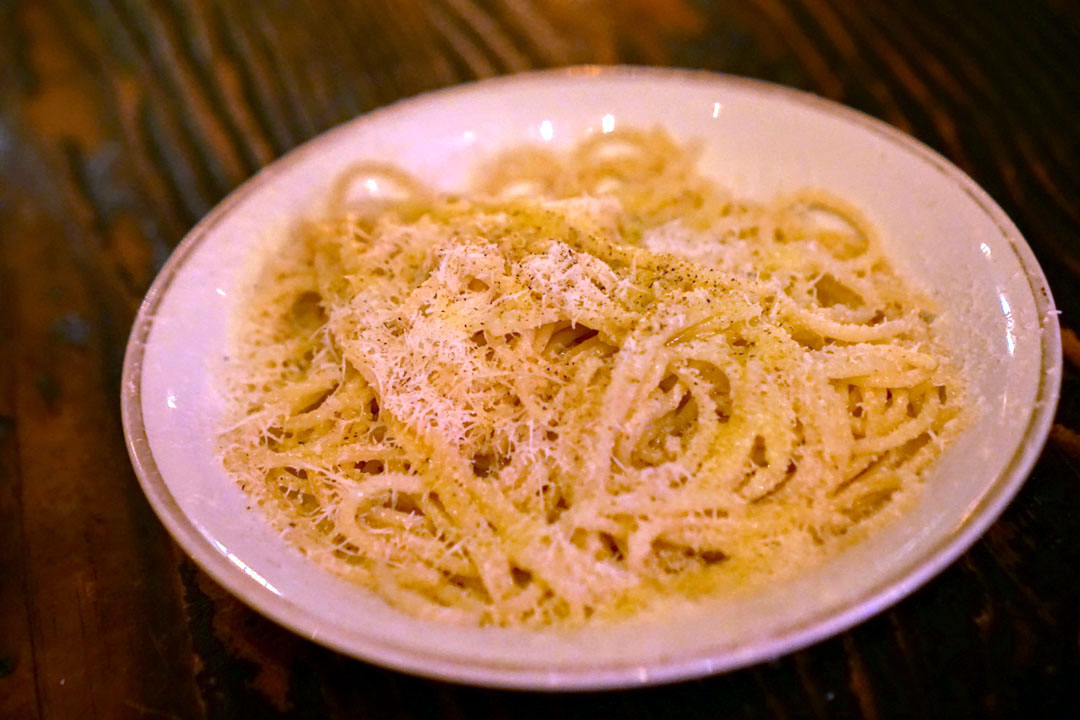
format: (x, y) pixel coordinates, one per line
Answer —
(123, 122)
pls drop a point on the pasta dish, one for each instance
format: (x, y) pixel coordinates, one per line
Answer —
(596, 382)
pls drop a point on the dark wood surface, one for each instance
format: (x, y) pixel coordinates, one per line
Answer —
(123, 122)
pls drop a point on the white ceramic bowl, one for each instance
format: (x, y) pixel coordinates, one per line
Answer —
(759, 139)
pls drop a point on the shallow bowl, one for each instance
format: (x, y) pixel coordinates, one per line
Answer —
(759, 139)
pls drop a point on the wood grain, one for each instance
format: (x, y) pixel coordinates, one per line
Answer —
(123, 122)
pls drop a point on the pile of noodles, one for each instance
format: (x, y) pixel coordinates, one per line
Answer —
(596, 382)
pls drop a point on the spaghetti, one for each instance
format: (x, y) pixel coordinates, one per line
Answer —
(597, 383)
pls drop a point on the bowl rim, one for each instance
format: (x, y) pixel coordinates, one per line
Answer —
(827, 622)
